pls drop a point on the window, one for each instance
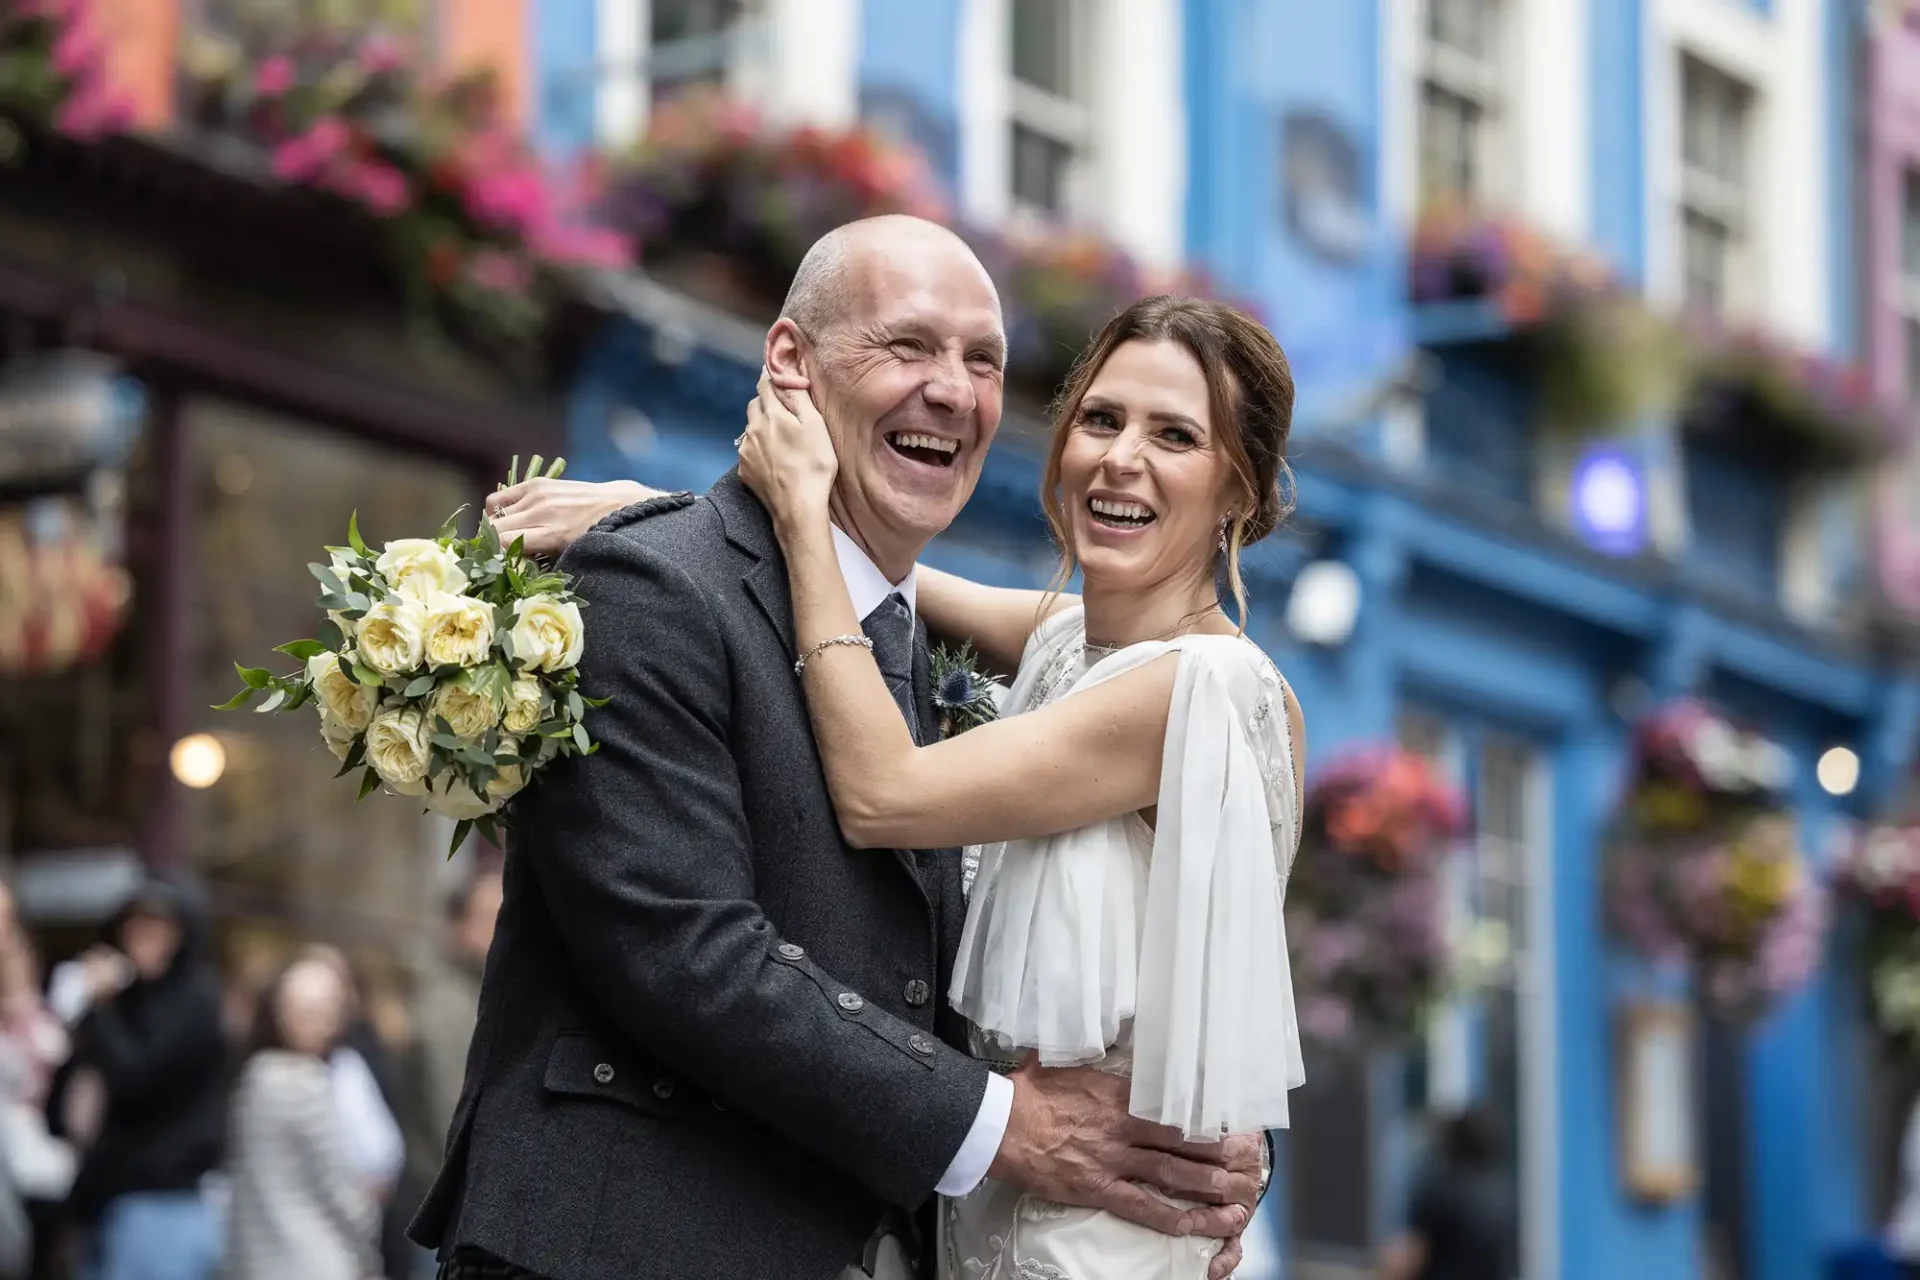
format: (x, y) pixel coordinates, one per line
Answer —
(1049, 113)
(690, 43)
(1907, 292)
(1459, 101)
(1714, 120)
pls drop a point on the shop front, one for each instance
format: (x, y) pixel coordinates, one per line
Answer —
(232, 376)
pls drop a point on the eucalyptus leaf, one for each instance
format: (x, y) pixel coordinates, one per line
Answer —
(272, 703)
(256, 677)
(238, 700)
(327, 577)
(451, 529)
(301, 650)
(419, 686)
(353, 534)
(368, 781)
(364, 674)
(580, 738)
(595, 702)
(461, 830)
(335, 602)
(331, 636)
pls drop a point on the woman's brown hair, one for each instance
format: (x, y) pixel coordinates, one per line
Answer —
(1249, 398)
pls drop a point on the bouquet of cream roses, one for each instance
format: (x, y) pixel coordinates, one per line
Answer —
(444, 668)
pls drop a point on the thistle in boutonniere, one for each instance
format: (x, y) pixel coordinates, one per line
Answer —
(962, 697)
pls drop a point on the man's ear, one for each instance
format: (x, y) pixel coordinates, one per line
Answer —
(789, 356)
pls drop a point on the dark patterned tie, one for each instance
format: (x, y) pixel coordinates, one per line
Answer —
(890, 627)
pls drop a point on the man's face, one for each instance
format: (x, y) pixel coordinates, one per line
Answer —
(910, 386)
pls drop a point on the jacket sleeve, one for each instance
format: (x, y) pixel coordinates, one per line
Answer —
(644, 856)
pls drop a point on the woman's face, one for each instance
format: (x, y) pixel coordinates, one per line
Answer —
(1142, 475)
(311, 1008)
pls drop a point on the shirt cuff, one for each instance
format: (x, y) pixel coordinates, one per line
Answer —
(975, 1157)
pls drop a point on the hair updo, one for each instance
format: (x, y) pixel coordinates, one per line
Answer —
(1249, 399)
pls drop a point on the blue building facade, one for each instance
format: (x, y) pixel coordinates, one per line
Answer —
(1490, 631)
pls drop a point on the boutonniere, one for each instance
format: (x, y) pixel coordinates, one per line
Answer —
(962, 697)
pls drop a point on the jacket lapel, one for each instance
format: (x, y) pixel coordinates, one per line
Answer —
(750, 530)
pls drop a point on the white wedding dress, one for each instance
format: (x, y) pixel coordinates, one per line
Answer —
(1154, 953)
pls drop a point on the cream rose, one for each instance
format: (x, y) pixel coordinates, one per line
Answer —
(397, 748)
(351, 704)
(451, 798)
(547, 634)
(418, 567)
(459, 630)
(392, 637)
(526, 703)
(467, 713)
(338, 737)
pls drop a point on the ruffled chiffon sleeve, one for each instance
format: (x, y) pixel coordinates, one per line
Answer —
(1216, 1046)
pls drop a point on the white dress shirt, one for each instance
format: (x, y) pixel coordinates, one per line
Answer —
(868, 587)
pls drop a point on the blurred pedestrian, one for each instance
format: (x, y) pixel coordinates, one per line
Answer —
(33, 1045)
(1902, 1239)
(299, 1206)
(150, 1049)
(1461, 1225)
(446, 1007)
(374, 1146)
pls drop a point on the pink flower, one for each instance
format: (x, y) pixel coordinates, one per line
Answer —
(507, 200)
(380, 54)
(381, 187)
(76, 53)
(93, 111)
(305, 158)
(274, 77)
(502, 272)
(582, 246)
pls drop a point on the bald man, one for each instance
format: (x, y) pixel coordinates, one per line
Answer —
(714, 1040)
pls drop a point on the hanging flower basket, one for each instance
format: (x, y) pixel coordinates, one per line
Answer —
(1880, 874)
(53, 69)
(1366, 917)
(727, 207)
(1704, 867)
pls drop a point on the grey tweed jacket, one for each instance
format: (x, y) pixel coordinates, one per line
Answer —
(713, 1039)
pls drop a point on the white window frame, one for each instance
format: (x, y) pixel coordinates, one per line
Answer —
(1063, 119)
(1486, 83)
(1713, 197)
(796, 60)
(1779, 51)
(1125, 119)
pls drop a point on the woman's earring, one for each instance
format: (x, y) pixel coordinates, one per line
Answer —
(1223, 535)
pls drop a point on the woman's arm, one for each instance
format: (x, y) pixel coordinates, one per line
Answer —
(1092, 756)
(998, 620)
(551, 515)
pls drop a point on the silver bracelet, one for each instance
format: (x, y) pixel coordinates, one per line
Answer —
(800, 667)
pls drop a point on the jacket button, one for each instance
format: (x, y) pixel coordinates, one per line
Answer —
(851, 1002)
(663, 1089)
(918, 993)
(603, 1074)
(790, 950)
(920, 1044)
